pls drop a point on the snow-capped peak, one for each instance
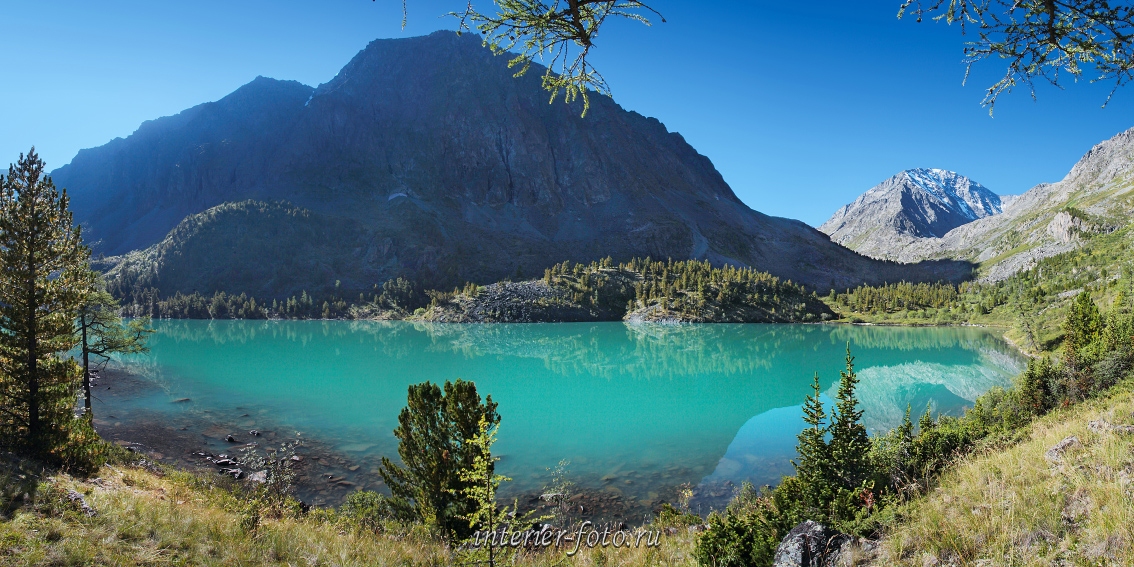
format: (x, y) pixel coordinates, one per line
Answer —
(957, 192)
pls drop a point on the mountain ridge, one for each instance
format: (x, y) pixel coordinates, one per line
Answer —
(451, 167)
(1047, 220)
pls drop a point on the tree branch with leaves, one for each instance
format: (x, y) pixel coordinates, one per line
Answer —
(101, 333)
(559, 33)
(1040, 39)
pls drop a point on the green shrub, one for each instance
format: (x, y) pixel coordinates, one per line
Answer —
(736, 540)
(84, 451)
(1111, 369)
(366, 510)
(671, 517)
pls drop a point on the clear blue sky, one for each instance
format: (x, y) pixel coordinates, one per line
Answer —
(801, 105)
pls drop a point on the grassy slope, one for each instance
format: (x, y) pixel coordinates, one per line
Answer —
(179, 518)
(1096, 264)
(998, 507)
(1013, 507)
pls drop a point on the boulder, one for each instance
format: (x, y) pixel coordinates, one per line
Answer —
(1056, 453)
(234, 473)
(1103, 426)
(809, 544)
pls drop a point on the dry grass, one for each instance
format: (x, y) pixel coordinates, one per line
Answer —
(174, 520)
(1016, 508)
(1011, 507)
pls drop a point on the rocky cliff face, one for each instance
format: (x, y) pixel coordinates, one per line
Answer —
(916, 203)
(444, 167)
(1037, 224)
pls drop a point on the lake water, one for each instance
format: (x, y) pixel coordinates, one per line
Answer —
(637, 409)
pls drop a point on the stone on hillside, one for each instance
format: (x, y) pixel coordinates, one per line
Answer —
(809, 544)
(1103, 426)
(1056, 453)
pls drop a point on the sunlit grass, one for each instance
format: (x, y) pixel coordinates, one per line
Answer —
(181, 519)
(1014, 507)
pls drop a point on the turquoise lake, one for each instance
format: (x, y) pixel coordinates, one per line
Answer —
(636, 409)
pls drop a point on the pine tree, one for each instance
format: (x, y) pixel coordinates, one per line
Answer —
(813, 468)
(435, 432)
(849, 442)
(926, 423)
(1035, 387)
(1082, 327)
(43, 279)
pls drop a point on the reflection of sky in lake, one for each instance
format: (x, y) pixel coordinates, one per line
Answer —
(761, 451)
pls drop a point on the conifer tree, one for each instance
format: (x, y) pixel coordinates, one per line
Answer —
(814, 466)
(849, 443)
(926, 423)
(1035, 387)
(435, 433)
(43, 279)
(1083, 325)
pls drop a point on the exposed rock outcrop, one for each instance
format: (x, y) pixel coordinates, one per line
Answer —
(1055, 454)
(810, 544)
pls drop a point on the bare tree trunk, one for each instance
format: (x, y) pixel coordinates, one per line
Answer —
(86, 366)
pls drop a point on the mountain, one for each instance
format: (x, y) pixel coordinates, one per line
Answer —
(431, 161)
(916, 203)
(1094, 198)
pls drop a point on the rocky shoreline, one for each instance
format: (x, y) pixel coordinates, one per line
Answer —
(207, 443)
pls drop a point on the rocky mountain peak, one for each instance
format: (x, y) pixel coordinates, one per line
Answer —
(916, 203)
(965, 196)
(1106, 161)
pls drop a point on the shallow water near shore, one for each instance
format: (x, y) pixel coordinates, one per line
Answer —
(636, 409)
